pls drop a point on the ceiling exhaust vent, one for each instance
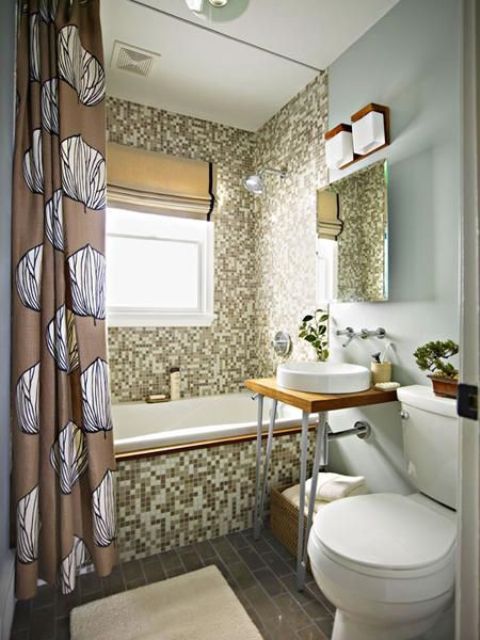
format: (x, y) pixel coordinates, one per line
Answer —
(132, 59)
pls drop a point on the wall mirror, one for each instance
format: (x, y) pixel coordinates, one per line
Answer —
(352, 237)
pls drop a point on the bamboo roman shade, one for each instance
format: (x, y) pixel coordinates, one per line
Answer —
(158, 183)
(329, 226)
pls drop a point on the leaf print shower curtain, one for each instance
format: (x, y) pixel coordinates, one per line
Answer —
(63, 488)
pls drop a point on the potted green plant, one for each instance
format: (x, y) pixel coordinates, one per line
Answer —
(314, 329)
(433, 357)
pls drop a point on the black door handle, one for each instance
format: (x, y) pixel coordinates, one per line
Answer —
(467, 401)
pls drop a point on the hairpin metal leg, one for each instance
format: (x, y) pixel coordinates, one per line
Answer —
(256, 525)
(266, 464)
(320, 460)
(301, 506)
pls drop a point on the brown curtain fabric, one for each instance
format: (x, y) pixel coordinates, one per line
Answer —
(143, 180)
(62, 428)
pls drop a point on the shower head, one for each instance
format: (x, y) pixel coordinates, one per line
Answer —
(254, 183)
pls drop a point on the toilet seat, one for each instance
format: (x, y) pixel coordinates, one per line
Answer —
(391, 547)
(385, 533)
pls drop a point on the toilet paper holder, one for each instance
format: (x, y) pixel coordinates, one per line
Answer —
(361, 429)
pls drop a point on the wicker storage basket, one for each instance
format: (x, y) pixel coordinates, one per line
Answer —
(284, 519)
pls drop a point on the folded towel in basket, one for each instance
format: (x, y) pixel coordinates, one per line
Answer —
(292, 494)
(333, 486)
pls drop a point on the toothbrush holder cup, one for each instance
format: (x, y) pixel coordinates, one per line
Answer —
(381, 372)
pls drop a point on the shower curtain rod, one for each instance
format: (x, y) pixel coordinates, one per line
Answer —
(227, 37)
(25, 6)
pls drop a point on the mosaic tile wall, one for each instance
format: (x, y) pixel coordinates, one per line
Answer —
(285, 218)
(212, 359)
(273, 290)
(166, 501)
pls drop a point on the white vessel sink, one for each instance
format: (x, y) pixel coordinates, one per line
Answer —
(323, 377)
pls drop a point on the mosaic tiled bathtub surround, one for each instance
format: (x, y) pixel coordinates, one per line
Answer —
(166, 501)
(264, 281)
(212, 359)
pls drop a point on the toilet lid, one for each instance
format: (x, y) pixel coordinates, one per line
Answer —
(386, 531)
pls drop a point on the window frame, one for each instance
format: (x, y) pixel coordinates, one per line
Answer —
(202, 315)
(326, 276)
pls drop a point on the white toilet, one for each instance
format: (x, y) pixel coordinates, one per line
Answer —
(387, 561)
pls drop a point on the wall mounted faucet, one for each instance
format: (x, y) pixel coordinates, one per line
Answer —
(349, 332)
(364, 334)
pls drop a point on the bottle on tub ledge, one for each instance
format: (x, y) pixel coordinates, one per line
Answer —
(174, 383)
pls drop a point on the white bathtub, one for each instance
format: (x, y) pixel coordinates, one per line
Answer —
(140, 427)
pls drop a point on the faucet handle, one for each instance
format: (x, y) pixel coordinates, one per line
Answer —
(377, 333)
(349, 332)
(282, 344)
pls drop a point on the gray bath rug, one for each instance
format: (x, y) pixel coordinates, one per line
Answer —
(194, 606)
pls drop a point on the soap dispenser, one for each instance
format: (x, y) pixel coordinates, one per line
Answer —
(175, 383)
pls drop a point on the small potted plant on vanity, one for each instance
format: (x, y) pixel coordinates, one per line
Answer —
(314, 329)
(433, 357)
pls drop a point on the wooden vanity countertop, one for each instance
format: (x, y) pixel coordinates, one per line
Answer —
(316, 402)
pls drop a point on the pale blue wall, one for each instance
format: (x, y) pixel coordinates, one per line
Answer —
(7, 29)
(410, 60)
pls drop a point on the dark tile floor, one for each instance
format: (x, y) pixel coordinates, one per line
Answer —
(261, 574)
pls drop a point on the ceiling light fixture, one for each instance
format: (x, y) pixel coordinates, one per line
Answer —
(197, 5)
(194, 5)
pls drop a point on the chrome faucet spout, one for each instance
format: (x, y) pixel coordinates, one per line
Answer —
(349, 332)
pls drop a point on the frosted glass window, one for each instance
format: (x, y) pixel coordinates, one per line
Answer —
(151, 273)
(159, 270)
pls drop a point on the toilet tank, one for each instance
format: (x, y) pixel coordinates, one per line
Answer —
(430, 442)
